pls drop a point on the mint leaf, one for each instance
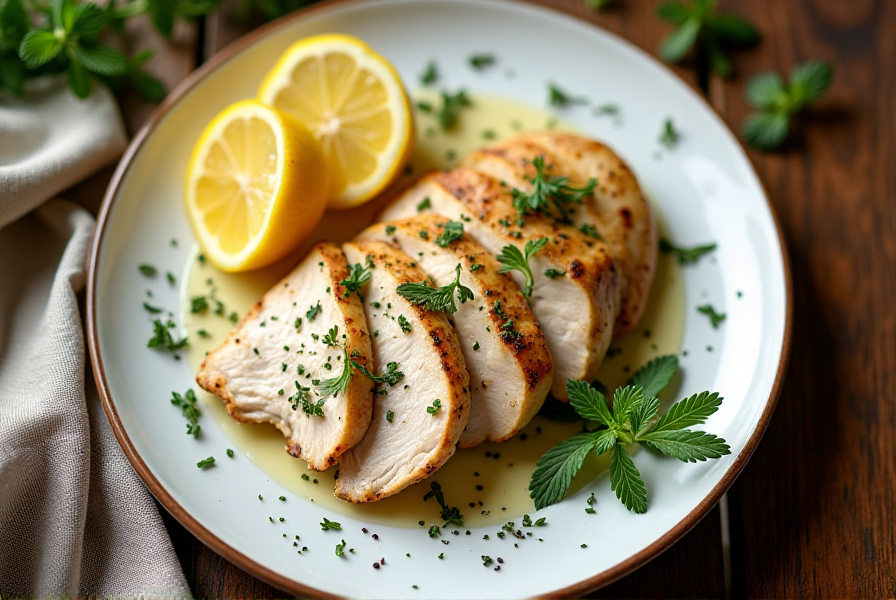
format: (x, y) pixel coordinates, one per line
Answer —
(162, 13)
(556, 468)
(810, 80)
(626, 481)
(767, 91)
(588, 402)
(686, 445)
(39, 47)
(604, 441)
(89, 21)
(677, 44)
(733, 31)
(690, 411)
(656, 375)
(626, 400)
(101, 60)
(766, 131)
(79, 80)
(62, 13)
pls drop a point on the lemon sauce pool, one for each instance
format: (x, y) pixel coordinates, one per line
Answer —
(488, 483)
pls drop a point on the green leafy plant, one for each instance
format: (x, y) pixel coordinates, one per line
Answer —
(698, 23)
(63, 36)
(778, 101)
(631, 418)
(550, 194)
(441, 298)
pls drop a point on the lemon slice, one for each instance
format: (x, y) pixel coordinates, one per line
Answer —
(352, 101)
(257, 186)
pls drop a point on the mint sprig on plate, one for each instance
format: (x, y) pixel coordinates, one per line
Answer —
(631, 418)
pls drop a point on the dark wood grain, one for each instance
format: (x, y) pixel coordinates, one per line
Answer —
(813, 512)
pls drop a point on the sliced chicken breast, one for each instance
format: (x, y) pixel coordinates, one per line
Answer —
(575, 296)
(266, 369)
(618, 212)
(510, 367)
(418, 419)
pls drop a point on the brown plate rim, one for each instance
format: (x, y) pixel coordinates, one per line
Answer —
(290, 585)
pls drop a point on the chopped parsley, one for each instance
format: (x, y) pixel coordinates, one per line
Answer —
(454, 230)
(390, 415)
(451, 106)
(684, 255)
(153, 310)
(669, 136)
(560, 99)
(162, 338)
(589, 230)
(340, 548)
(436, 406)
(148, 270)
(424, 204)
(187, 404)
(332, 337)
(480, 61)
(205, 462)
(313, 311)
(392, 376)
(591, 500)
(715, 318)
(554, 273)
(430, 75)
(198, 304)
(229, 453)
(327, 524)
(476, 346)
(546, 192)
(404, 324)
(390, 229)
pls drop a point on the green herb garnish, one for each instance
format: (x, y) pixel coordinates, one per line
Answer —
(554, 273)
(187, 404)
(560, 99)
(669, 136)
(327, 524)
(436, 298)
(392, 376)
(454, 230)
(715, 318)
(450, 109)
(358, 275)
(206, 462)
(162, 337)
(777, 101)
(148, 270)
(512, 259)
(451, 515)
(424, 204)
(628, 420)
(430, 75)
(436, 407)
(313, 311)
(335, 385)
(340, 548)
(480, 61)
(547, 192)
(332, 337)
(684, 255)
(390, 415)
(198, 304)
(404, 324)
(699, 23)
(153, 310)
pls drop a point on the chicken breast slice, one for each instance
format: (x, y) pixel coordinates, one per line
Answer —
(507, 357)
(266, 368)
(575, 310)
(618, 210)
(418, 421)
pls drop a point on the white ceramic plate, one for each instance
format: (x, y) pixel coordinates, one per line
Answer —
(705, 188)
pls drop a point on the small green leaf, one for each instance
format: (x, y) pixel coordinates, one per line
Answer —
(149, 87)
(690, 411)
(62, 13)
(39, 47)
(733, 31)
(557, 468)
(656, 375)
(626, 400)
(767, 91)
(162, 13)
(604, 441)
(12, 74)
(810, 80)
(679, 42)
(14, 24)
(588, 402)
(101, 60)
(686, 445)
(79, 80)
(626, 481)
(718, 60)
(90, 20)
(766, 131)
(674, 12)
(644, 414)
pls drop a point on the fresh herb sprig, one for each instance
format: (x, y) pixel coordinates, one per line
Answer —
(686, 256)
(332, 336)
(631, 418)
(512, 259)
(441, 298)
(162, 338)
(63, 36)
(451, 515)
(187, 404)
(560, 99)
(392, 375)
(699, 23)
(715, 318)
(358, 275)
(550, 194)
(334, 385)
(777, 101)
(480, 61)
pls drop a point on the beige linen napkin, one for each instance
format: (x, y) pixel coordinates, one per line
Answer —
(75, 520)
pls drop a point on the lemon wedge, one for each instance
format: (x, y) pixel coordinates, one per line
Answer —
(257, 186)
(352, 100)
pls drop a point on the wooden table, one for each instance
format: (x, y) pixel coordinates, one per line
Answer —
(813, 512)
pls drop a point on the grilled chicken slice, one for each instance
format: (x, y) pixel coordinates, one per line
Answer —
(266, 368)
(617, 211)
(575, 310)
(406, 442)
(506, 354)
